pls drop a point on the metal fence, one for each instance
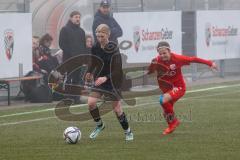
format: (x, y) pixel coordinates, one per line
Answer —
(184, 5)
(14, 6)
(134, 5)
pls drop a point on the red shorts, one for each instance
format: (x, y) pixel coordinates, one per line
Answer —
(177, 94)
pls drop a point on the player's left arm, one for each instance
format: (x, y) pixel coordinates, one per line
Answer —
(187, 60)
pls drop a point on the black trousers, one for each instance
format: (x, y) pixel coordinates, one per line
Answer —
(76, 78)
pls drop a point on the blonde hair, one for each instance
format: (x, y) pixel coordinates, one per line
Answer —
(103, 28)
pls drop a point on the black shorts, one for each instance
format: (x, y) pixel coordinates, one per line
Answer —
(110, 93)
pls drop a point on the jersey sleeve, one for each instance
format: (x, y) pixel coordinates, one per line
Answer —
(151, 67)
(158, 67)
(185, 60)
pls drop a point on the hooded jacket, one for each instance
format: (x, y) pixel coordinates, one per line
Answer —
(116, 30)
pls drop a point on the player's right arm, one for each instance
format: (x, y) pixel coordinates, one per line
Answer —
(151, 67)
(155, 66)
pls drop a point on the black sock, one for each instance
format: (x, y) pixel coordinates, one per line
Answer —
(124, 122)
(96, 116)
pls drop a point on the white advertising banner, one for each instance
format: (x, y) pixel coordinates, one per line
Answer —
(15, 44)
(143, 30)
(218, 34)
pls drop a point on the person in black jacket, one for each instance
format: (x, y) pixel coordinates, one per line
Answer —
(103, 16)
(107, 80)
(72, 37)
(73, 43)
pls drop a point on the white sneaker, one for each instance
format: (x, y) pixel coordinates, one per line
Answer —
(96, 131)
(129, 136)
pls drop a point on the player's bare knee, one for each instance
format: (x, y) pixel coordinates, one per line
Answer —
(117, 108)
(165, 98)
(92, 104)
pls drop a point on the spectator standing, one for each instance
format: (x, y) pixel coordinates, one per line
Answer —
(103, 16)
(72, 41)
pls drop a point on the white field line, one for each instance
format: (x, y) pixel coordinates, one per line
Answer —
(212, 88)
(24, 113)
(183, 99)
(75, 106)
(139, 105)
(27, 121)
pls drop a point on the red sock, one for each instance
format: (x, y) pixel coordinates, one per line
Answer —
(168, 112)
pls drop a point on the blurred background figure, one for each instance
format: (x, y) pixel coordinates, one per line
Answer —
(35, 53)
(89, 43)
(45, 44)
(59, 56)
(103, 16)
(72, 41)
(46, 61)
(35, 43)
(43, 63)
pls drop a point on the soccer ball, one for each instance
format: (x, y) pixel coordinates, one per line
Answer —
(72, 135)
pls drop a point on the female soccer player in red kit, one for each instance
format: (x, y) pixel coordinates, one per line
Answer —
(173, 76)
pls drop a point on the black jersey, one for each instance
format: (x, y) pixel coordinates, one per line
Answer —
(111, 66)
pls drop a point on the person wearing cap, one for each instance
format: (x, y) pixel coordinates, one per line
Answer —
(171, 81)
(72, 41)
(103, 16)
(108, 81)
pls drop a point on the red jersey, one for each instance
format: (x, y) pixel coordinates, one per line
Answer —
(173, 73)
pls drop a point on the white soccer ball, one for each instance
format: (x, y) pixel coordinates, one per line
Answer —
(72, 135)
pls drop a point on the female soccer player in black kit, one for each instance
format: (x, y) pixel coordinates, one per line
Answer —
(109, 79)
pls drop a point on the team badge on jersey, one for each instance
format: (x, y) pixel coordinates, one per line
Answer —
(173, 66)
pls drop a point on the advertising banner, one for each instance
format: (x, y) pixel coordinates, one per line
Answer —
(15, 44)
(218, 34)
(143, 30)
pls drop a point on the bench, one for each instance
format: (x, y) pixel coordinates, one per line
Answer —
(5, 83)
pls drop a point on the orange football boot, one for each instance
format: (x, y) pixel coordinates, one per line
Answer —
(171, 127)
